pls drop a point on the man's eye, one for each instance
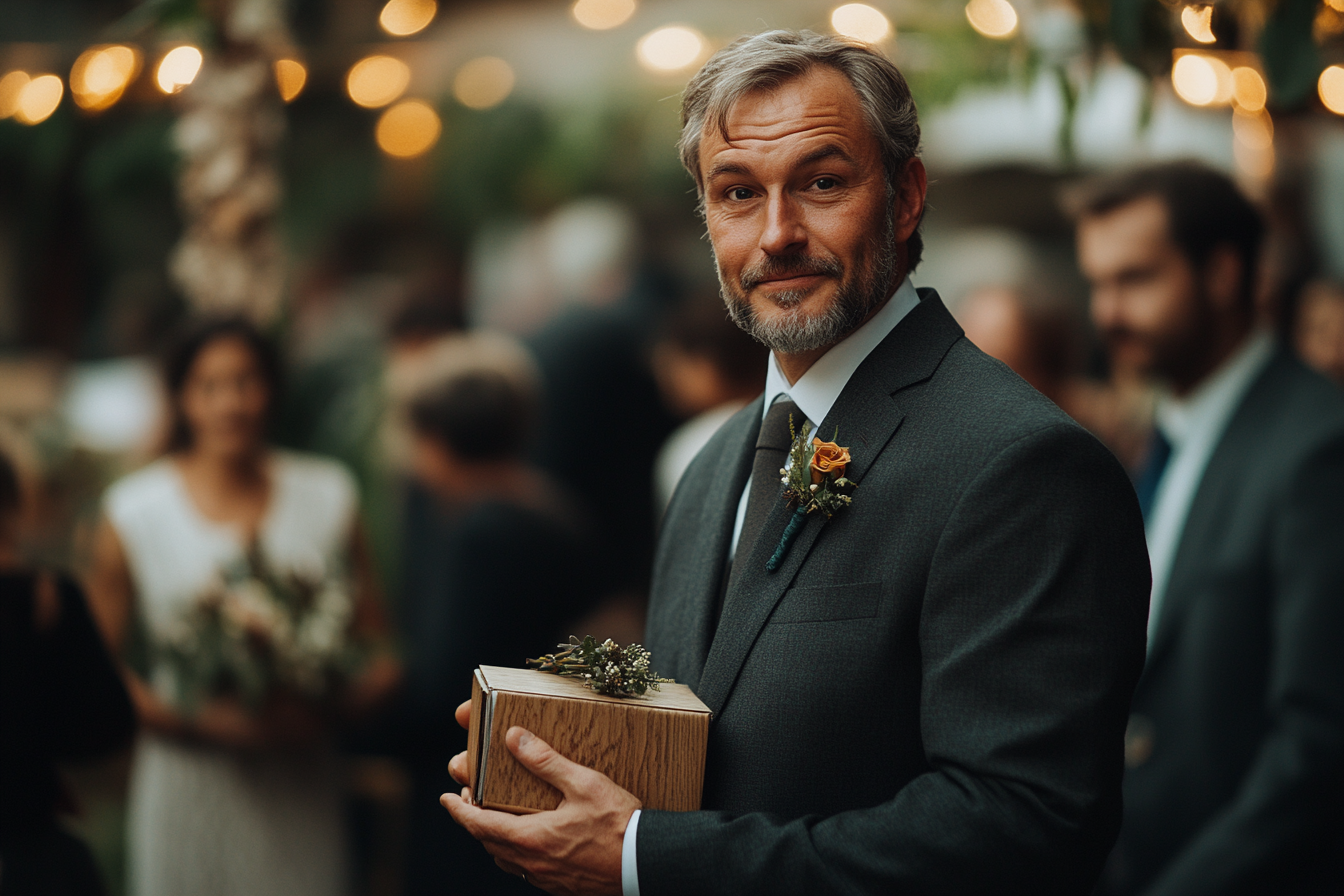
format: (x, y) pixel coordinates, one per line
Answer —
(825, 183)
(739, 193)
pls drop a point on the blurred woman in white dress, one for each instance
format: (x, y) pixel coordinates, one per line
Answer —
(227, 798)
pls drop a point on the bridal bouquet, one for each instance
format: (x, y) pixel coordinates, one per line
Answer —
(257, 629)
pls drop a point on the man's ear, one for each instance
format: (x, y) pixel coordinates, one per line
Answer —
(1223, 274)
(908, 203)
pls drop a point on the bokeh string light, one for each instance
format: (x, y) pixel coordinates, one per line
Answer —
(483, 82)
(1248, 89)
(1330, 87)
(1198, 23)
(1202, 80)
(408, 129)
(600, 15)
(290, 76)
(402, 18)
(375, 81)
(11, 88)
(39, 98)
(861, 22)
(101, 75)
(670, 48)
(178, 68)
(992, 18)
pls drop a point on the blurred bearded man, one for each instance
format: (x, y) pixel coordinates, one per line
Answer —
(1236, 746)
(928, 691)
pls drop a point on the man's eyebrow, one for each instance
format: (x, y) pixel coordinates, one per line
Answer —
(726, 168)
(829, 151)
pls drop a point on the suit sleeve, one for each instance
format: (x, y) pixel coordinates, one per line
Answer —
(1031, 636)
(1294, 793)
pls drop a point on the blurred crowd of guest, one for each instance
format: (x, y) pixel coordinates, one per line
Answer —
(504, 472)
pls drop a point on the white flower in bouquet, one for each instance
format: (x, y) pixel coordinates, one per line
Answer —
(257, 629)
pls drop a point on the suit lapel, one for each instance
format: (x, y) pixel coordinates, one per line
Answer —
(867, 416)
(1223, 481)
(721, 496)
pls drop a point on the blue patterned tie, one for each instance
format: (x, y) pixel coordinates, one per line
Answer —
(1150, 477)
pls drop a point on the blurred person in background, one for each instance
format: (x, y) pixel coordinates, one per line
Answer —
(516, 574)
(225, 799)
(61, 699)
(1039, 333)
(1235, 748)
(593, 354)
(1318, 333)
(707, 369)
(1038, 336)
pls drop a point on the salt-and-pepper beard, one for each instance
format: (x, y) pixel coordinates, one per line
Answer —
(858, 294)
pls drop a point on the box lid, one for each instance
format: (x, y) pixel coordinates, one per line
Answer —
(676, 697)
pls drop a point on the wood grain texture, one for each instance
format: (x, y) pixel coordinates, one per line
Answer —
(474, 732)
(654, 749)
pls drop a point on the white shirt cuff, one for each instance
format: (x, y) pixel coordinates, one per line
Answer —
(629, 871)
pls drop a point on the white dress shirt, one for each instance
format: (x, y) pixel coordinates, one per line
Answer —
(815, 393)
(1194, 426)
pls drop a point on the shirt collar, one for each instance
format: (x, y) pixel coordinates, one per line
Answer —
(817, 390)
(1210, 405)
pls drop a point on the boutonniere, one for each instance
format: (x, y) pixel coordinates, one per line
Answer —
(813, 483)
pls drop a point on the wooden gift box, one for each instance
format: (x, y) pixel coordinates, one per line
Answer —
(653, 746)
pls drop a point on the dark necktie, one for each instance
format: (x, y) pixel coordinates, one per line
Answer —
(772, 451)
(1154, 466)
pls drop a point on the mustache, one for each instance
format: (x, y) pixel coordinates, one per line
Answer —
(781, 267)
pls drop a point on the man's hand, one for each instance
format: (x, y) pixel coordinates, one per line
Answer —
(573, 849)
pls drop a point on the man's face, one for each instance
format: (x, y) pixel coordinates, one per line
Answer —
(805, 235)
(1148, 301)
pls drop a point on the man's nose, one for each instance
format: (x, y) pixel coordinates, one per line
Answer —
(1105, 307)
(784, 232)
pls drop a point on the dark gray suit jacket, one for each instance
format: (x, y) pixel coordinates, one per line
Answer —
(1243, 697)
(930, 694)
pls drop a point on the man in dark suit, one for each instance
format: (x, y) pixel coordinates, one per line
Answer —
(1236, 746)
(929, 692)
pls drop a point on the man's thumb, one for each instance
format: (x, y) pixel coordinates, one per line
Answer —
(540, 758)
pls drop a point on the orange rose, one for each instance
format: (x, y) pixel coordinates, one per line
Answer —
(828, 458)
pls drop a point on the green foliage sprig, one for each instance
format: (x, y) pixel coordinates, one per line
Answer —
(829, 495)
(607, 668)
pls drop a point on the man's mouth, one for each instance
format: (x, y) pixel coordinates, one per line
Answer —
(795, 274)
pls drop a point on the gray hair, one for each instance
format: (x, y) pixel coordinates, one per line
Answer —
(771, 58)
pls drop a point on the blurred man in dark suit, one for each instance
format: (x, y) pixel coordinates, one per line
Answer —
(1235, 749)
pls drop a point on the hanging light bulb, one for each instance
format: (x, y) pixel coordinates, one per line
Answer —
(375, 81)
(178, 68)
(101, 75)
(861, 22)
(1198, 23)
(290, 76)
(992, 18)
(671, 48)
(408, 129)
(401, 18)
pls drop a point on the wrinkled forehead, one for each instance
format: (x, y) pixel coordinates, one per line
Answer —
(817, 105)
(783, 95)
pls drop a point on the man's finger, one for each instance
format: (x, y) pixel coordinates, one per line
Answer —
(463, 714)
(540, 759)
(457, 767)
(485, 825)
(515, 870)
